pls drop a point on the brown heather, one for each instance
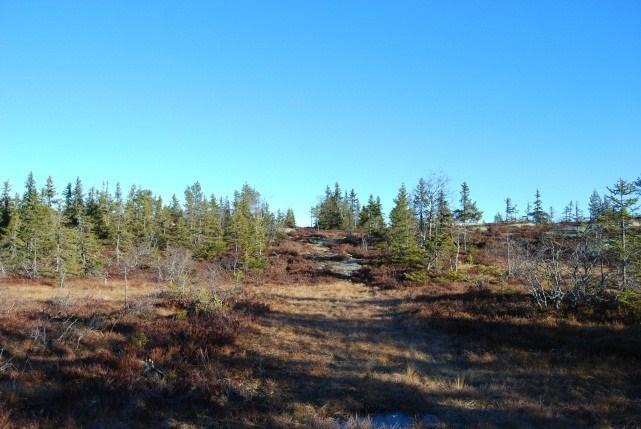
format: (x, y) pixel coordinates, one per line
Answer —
(302, 347)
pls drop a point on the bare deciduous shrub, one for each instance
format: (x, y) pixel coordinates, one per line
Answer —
(5, 363)
(179, 267)
(563, 271)
(132, 259)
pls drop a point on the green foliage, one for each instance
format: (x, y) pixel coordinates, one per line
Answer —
(248, 230)
(538, 214)
(371, 219)
(418, 276)
(472, 253)
(337, 210)
(139, 339)
(616, 219)
(510, 211)
(630, 301)
(205, 300)
(595, 205)
(402, 231)
(468, 213)
(290, 220)
(41, 236)
(441, 246)
(451, 276)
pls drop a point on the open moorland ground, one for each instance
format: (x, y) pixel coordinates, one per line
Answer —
(315, 342)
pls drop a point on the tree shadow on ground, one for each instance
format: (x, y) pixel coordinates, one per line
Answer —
(535, 376)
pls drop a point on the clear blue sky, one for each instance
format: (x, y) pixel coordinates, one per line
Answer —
(291, 96)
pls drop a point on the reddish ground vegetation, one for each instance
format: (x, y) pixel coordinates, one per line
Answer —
(303, 347)
(78, 365)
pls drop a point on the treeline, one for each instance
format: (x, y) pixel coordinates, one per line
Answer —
(602, 255)
(571, 213)
(44, 233)
(429, 236)
(423, 231)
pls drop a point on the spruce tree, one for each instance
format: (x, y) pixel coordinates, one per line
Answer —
(290, 219)
(622, 201)
(443, 244)
(212, 243)
(567, 212)
(402, 231)
(119, 234)
(371, 219)
(35, 232)
(5, 207)
(248, 231)
(578, 213)
(74, 203)
(49, 193)
(538, 214)
(595, 206)
(353, 211)
(177, 232)
(421, 201)
(333, 210)
(510, 210)
(65, 254)
(468, 213)
(11, 243)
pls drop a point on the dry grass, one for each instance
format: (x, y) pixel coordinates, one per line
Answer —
(80, 290)
(311, 352)
(472, 358)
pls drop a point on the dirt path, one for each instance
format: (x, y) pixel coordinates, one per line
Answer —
(339, 348)
(335, 349)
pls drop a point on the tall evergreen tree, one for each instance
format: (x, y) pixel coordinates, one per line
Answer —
(622, 200)
(119, 234)
(402, 231)
(568, 212)
(422, 201)
(538, 214)
(510, 210)
(290, 219)
(468, 213)
(578, 213)
(248, 231)
(49, 193)
(212, 243)
(442, 245)
(35, 232)
(11, 243)
(177, 233)
(371, 219)
(332, 210)
(595, 206)
(5, 206)
(74, 203)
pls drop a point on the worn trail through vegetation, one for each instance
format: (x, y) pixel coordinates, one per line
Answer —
(441, 355)
(340, 347)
